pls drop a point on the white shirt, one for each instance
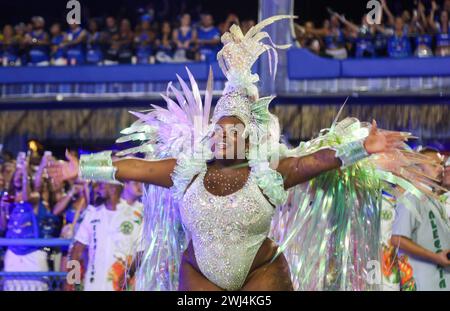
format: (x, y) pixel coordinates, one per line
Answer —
(447, 203)
(387, 218)
(429, 229)
(112, 238)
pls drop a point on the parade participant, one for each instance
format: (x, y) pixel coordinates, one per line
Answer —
(230, 180)
(111, 232)
(424, 238)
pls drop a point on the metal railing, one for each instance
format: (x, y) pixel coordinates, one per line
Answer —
(39, 280)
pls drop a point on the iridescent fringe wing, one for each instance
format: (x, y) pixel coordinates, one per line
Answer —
(166, 133)
(329, 228)
(163, 242)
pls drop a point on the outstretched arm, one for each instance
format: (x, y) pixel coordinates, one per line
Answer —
(152, 172)
(414, 249)
(297, 170)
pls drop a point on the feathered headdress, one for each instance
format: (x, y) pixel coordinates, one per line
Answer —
(240, 97)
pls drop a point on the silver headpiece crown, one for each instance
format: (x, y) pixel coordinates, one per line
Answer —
(236, 59)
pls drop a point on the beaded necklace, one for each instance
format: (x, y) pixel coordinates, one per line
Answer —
(219, 183)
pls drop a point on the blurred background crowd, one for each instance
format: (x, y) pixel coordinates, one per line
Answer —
(34, 207)
(24, 179)
(422, 30)
(148, 38)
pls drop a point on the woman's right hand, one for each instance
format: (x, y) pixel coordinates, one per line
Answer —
(60, 171)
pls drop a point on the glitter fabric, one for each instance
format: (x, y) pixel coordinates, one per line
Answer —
(226, 231)
(233, 104)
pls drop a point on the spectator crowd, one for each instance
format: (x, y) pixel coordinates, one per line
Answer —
(106, 41)
(33, 206)
(421, 32)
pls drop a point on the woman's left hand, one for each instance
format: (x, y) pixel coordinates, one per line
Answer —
(378, 142)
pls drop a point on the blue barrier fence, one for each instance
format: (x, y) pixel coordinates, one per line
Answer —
(307, 74)
(106, 74)
(33, 280)
(100, 81)
(302, 64)
(35, 242)
(49, 274)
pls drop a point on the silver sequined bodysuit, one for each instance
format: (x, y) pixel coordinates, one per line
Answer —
(227, 231)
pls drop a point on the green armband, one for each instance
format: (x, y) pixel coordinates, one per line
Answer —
(351, 153)
(98, 167)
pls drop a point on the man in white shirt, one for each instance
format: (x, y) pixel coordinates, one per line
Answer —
(111, 232)
(446, 184)
(423, 237)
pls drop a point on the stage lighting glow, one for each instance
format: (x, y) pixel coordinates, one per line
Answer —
(32, 145)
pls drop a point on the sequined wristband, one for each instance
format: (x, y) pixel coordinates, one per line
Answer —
(351, 153)
(98, 167)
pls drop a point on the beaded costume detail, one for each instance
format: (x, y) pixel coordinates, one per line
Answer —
(226, 231)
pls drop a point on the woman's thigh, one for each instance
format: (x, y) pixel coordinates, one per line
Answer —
(192, 280)
(274, 276)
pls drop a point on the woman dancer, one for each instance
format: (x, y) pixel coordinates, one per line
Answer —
(228, 176)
